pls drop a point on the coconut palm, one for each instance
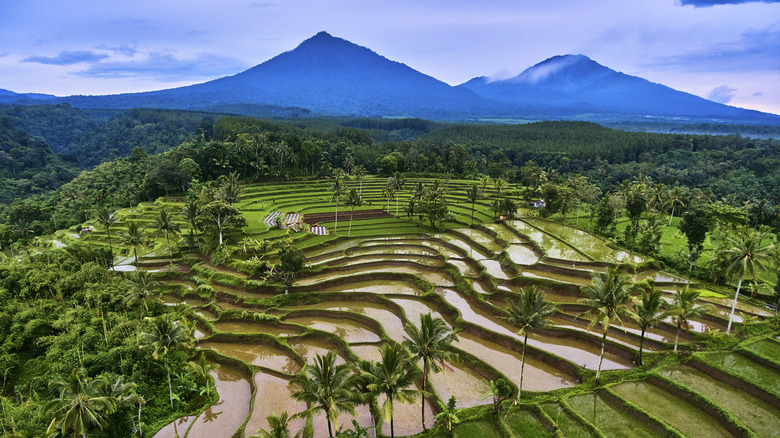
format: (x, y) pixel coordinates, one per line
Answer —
(279, 427)
(352, 200)
(745, 257)
(80, 403)
(326, 386)
(166, 335)
(360, 173)
(134, 237)
(164, 224)
(337, 189)
(392, 376)
(500, 184)
(675, 197)
(399, 181)
(141, 286)
(106, 218)
(684, 309)
(473, 194)
(530, 312)
(125, 396)
(649, 310)
(608, 298)
(389, 191)
(430, 344)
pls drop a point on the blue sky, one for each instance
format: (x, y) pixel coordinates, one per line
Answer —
(728, 51)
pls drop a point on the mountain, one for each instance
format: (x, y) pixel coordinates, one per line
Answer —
(577, 84)
(331, 76)
(324, 74)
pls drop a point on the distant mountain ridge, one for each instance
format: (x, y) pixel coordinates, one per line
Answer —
(332, 76)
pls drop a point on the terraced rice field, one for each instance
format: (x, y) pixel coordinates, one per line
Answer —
(361, 291)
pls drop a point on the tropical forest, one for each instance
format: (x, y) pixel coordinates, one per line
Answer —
(171, 273)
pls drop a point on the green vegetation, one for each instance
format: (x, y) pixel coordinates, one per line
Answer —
(225, 270)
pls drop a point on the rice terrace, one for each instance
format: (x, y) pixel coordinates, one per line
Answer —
(370, 273)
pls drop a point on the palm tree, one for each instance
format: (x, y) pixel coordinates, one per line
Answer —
(676, 195)
(473, 194)
(352, 200)
(360, 173)
(164, 224)
(430, 344)
(125, 396)
(530, 312)
(134, 237)
(399, 181)
(608, 298)
(500, 184)
(230, 190)
(649, 311)
(80, 403)
(684, 309)
(393, 376)
(389, 191)
(141, 286)
(745, 256)
(337, 188)
(106, 218)
(165, 336)
(279, 425)
(326, 386)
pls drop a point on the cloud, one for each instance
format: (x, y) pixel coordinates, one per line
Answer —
(165, 67)
(68, 58)
(722, 94)
(708, 3)
(753, 51)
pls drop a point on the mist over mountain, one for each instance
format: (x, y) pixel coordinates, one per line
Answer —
(580, 84)
(326, 75)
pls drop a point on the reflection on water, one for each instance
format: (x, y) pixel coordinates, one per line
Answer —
(522, 255)
(348, 330)
(254, 354)
(228, 414)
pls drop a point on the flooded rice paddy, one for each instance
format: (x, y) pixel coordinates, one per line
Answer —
(355, 305)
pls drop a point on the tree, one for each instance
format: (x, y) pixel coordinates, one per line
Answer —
(392, 376)
(279, 425)
(399, 181)
(336, 189)
(473, 194)
(291, 262)
(327, 387)
(448, 414)
(230, 190)
(684, 309)
(141, 286)
(389, 191)
(221, 217)
(360, 173)
(106, 218)
(430, 344)
(134, 237)
(695, 226)
(499, 184)
(80, 403)
(352, 200)
(649, 311)
(529, 312)
(608, 298)
(745, 256)
(164, 224)
(500, 391)
(165, 336)
(675, 197)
